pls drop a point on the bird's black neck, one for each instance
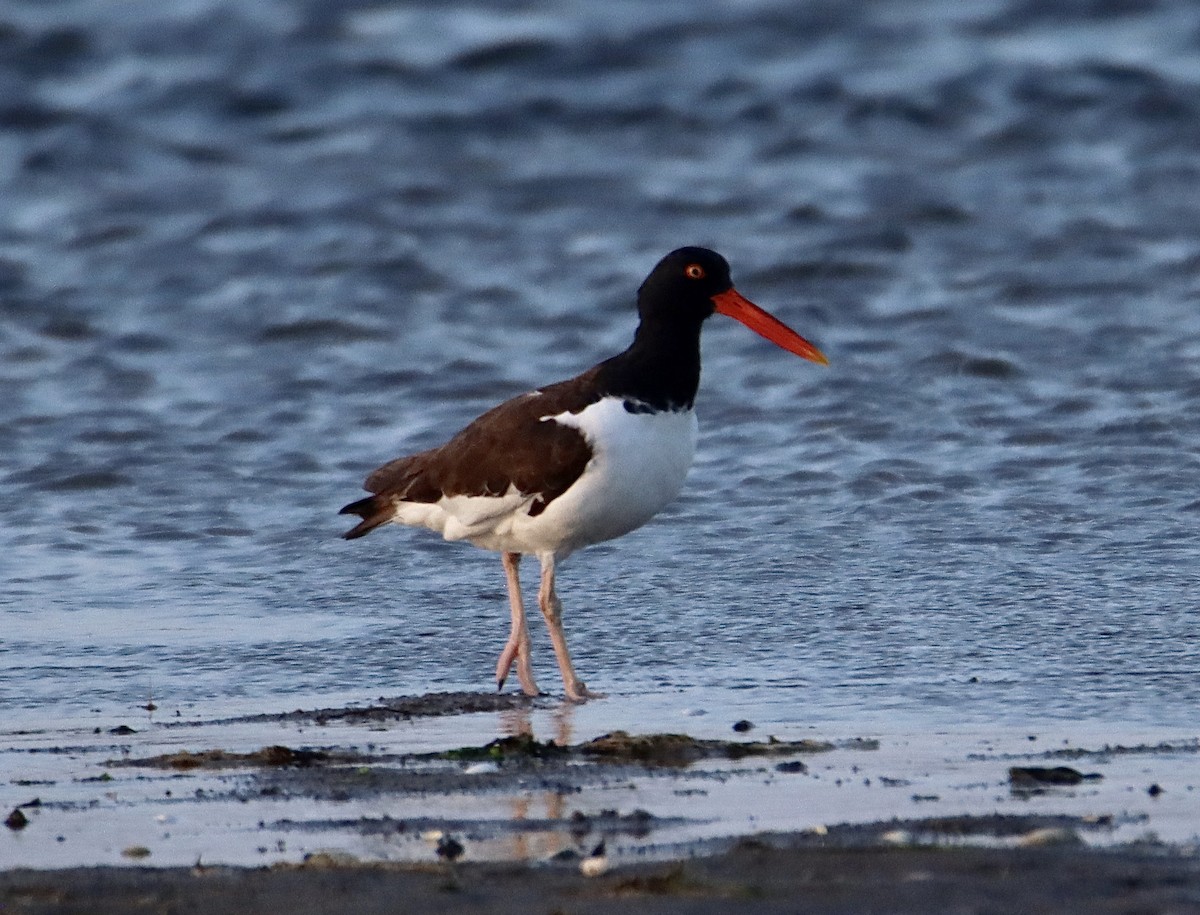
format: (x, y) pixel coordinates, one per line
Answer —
(661, 368)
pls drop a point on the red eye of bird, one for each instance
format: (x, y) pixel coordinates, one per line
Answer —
(694, 271)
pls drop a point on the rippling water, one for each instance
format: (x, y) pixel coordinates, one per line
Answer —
(250, 251)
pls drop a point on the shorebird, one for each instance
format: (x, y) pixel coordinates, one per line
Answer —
(577, 462)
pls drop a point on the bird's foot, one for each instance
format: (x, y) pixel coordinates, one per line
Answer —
(529, 689)
(505, 663)
(504, 666)
(528, 685)
(578, 692)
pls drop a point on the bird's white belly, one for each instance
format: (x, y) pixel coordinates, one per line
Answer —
(638, 466)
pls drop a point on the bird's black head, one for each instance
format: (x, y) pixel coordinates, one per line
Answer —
(691, 284)
(661, 368)
(681, 287)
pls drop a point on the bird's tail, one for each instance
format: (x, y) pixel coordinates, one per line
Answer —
(374, 511)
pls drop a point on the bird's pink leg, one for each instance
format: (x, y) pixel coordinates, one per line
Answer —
(517, 646)
(551, 608)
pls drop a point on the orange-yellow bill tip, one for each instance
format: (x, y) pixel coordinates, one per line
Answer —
(735, 305)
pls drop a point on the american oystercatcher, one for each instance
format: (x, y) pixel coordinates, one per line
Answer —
(580, 461)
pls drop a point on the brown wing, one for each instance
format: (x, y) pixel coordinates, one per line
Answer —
(508, 446)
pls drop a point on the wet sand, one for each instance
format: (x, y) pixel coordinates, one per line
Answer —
(415, 801)
(752, 877)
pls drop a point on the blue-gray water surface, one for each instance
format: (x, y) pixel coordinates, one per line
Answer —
(250, 251)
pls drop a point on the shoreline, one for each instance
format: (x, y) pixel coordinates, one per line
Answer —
(765, 875)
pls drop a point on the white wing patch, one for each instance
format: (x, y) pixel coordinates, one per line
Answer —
(463, 517)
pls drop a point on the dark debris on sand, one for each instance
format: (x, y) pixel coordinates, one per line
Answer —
(620, 747)
(399, 708)
(272, 756)
(644, 749)
(682, 749)
(1034, 777)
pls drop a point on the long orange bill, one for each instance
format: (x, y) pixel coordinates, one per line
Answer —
(735, 305)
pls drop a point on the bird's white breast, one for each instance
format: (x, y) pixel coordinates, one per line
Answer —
(638, 465)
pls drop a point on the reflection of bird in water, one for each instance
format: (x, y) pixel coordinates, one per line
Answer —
(578, 462)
